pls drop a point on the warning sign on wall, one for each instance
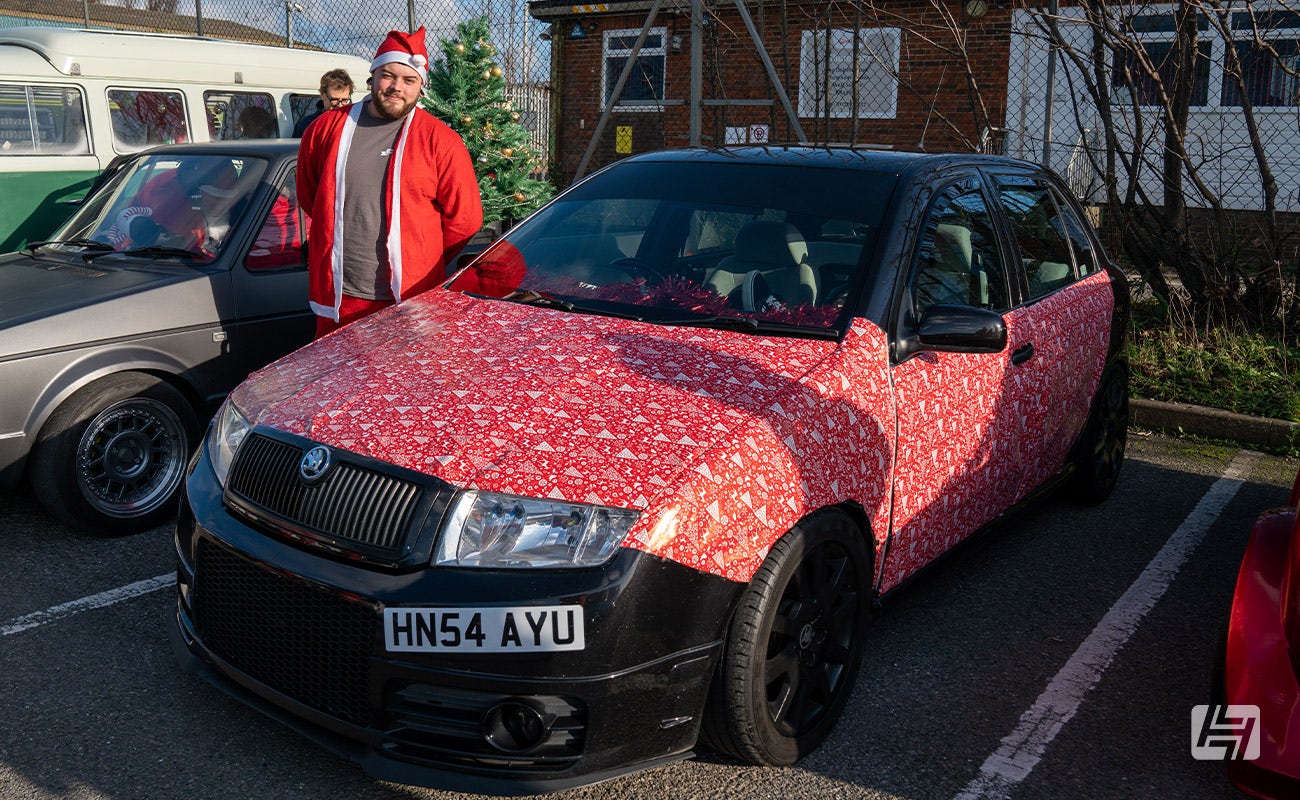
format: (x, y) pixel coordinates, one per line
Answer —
(758, 134)
(623, 139)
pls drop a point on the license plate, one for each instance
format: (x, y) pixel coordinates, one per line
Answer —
(525, 629)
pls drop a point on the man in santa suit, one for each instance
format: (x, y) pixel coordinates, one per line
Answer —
(390, 190)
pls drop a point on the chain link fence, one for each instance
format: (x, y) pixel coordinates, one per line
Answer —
(352, 27)
(1178, 122)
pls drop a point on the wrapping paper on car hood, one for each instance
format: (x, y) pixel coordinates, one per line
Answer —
(531, 401)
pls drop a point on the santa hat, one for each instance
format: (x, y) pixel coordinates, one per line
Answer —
(406, 49)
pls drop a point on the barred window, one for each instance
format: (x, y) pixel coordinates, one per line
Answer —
(645, 83)
(832, 83)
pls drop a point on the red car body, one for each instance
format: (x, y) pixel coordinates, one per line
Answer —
(1262, 657)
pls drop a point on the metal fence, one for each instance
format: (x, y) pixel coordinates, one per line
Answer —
(1179, 121)
(1193, 104)
(354, 27)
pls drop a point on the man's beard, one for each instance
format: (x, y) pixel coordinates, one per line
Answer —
(390, 112)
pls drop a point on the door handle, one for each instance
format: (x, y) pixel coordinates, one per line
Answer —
(1023, 354)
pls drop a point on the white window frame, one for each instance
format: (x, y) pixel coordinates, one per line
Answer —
(1214, 100)
(878, 65)
(606, 53)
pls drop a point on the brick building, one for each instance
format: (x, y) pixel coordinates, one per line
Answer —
(930, 74)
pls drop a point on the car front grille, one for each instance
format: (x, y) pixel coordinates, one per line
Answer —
(301, 640)
(352, 505)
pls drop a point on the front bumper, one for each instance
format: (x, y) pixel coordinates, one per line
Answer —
(298, 634)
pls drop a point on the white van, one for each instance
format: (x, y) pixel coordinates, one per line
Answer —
(71, 100)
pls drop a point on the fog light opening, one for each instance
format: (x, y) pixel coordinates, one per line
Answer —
(515, 726)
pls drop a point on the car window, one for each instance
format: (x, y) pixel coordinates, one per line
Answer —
(42, 120)
(1040, 236)
(300, 105)
(280, 236)
(144, 117)
(682, 241)
(169, 204)
(1085, 255)
(959, 262)
(240, 115)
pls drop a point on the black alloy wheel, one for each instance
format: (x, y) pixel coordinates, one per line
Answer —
(794, 645)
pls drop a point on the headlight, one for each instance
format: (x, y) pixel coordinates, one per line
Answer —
(485, 529)
(224, 438)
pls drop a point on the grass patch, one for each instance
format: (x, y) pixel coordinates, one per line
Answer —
(1234, 370)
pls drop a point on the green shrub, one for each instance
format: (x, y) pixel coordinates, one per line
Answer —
(1234, 370)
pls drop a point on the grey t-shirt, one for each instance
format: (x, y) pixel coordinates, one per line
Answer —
(366, 272)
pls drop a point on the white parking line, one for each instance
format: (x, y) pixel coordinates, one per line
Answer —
(1023, 748)
(108, 598)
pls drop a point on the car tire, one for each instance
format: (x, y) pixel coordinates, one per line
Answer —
(110, 460)
(1100, 451)
(794, 644)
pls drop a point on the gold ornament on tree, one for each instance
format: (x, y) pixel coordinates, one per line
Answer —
(519, 197)
(507, 152)
(460, 48)
(514, 116)
(467, 119)
(496, 71)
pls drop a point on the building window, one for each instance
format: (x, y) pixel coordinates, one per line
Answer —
(644, 88)
(1156, 34)
(1267, 48)
(832, 83)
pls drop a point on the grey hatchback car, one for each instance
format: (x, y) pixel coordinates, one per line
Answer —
(179, 275)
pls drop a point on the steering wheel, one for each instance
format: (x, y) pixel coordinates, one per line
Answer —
(144, 231)
(639, 268)
(755, 292)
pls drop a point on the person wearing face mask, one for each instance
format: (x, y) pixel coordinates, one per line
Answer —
(390, 189)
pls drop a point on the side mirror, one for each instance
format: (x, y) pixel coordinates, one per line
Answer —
(960, 329)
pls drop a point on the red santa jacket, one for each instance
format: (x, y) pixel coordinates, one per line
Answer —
(434, 212)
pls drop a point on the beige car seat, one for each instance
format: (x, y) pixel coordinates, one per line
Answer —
(773, 251)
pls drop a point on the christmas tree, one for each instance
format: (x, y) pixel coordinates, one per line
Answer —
(466, 90)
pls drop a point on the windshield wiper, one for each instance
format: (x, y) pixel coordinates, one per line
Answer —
(748, 324)
(532, 298)
(151, 250)
(89, 244)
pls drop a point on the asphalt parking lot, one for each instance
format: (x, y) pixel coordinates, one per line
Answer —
(1058, 657)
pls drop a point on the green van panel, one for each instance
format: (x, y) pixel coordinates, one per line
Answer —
(35, 203)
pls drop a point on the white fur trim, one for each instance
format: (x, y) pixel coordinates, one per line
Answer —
(418, 63)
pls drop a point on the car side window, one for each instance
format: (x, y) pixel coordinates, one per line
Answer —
(1085, 256)
(240, 115)
(144, 117)
(1040, 234)
(42, 120)
(279, 240)
(958, 262)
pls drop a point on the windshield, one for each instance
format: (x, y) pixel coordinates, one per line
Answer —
(694, 243)
(170, 206)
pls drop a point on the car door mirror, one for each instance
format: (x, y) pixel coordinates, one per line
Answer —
(961, 329)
